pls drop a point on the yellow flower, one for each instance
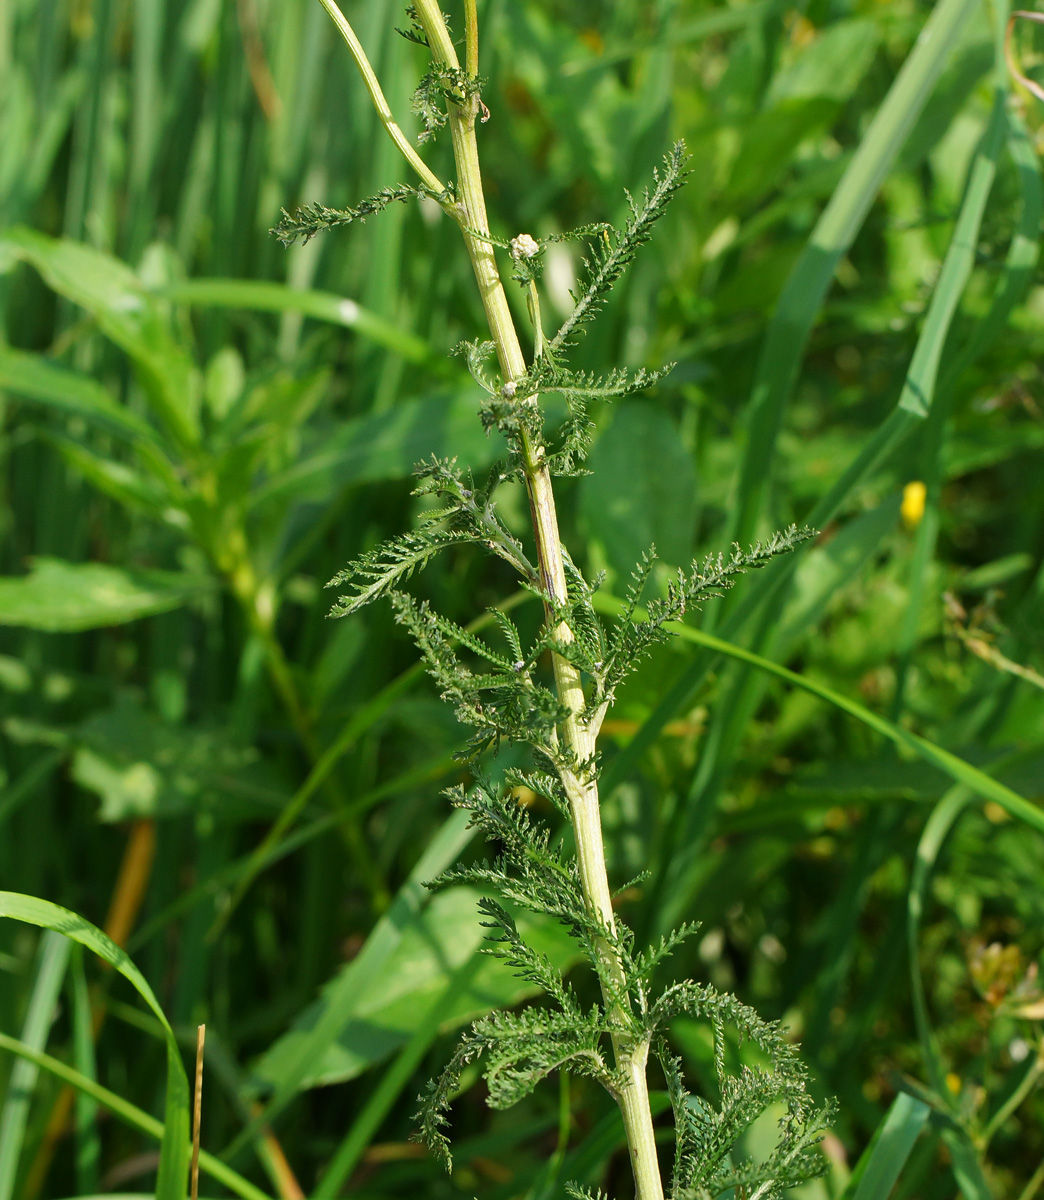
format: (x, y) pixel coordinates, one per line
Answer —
(913, 503)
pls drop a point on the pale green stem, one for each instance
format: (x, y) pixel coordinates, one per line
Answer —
(471, 45)
(379, 102)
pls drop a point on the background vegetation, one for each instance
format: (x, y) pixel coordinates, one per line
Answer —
(246, 795)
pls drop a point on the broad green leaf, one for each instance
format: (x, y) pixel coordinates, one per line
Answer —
(641, 490)
(173, 1165)
(831, 66)
(127, 314)
(264, 296)
(34, 378)
(63, 597)
(434, 945)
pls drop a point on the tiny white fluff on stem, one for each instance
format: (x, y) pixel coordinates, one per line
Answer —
(524, 246)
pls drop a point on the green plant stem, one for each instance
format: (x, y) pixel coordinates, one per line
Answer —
(257, 602)
(579, 734)
(1028, 1082)
(1034, 1185)
(379, 102)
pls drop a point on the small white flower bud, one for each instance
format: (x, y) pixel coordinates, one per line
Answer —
(524, 246)
(510, 389)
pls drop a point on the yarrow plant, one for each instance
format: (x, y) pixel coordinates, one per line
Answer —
(504, 690)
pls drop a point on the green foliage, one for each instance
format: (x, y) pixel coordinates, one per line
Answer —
(507, 702)
(520, 1050)
(173, 1159)
(67, 597)
(186, 403)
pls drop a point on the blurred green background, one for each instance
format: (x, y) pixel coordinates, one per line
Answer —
(201, 427)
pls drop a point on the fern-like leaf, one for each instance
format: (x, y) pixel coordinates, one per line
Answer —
(612, 252)
(647, 962)
(315, 218)
(632, 640)
(381, 571)
(706, 1133)
(575, 1192)
(506, 943)
(521, 1049)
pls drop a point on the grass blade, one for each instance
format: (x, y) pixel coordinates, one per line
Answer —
(173, 1165)
(936, 830)
(88, 1142)
(51, 959)
(1022, 258)
(883, 1160)
(807, 284)
(441, 853)
(131, 1115)
(958, 770)
(919, 394)
(66, 391)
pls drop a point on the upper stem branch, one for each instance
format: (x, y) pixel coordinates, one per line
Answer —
(377, 96)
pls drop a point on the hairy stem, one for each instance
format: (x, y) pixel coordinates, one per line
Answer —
(631, 1054)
